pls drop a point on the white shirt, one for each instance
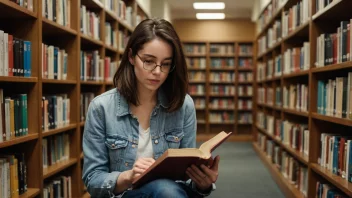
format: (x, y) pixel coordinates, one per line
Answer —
(145, 147)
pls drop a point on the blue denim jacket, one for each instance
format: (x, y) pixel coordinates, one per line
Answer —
(111, 136)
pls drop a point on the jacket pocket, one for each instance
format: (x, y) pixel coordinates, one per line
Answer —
(116, 147)
(173, 137)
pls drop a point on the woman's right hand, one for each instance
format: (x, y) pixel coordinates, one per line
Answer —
(139, 167)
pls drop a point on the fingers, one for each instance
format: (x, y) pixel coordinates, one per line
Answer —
(201, 180)
(215, 165)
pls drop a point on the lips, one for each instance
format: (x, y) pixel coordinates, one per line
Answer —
(152, 81)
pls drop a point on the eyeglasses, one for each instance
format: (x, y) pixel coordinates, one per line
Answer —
(151, 65)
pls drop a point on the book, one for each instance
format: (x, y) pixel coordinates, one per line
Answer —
(174, 162)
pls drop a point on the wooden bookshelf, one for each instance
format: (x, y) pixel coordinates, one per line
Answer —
(326, 20)
(32, 26)
(211, 68)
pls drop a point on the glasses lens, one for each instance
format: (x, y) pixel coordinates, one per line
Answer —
(149, 65)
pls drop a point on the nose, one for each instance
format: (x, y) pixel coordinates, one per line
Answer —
(157, 70)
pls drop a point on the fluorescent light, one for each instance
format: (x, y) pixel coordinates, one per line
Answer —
(210, 15)
(209, 5)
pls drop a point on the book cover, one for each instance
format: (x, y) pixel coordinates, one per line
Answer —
(174, 162)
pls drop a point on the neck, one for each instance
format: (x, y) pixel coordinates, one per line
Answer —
(147, 96)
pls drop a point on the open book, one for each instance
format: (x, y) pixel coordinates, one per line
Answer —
(174, 162)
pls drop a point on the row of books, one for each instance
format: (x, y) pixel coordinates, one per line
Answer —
(196, 63)
(245, 77)
(223, 49)
(58, 187)
(268, 13)
(58, 11)
(194, 49)
(13, 116)
(273, 68)
(196, 76)
(324, 190)
(222, 76)
(221, 117)
(56, 149)
(294, 17)
(335, 96)
(274, 34)
(245, 118)
(222, 89)
(55, 111)
(85, 100)
(13, 175)
(110, 35)
(288, 166)
(221, 103)
(297, 59)
(245, 63)
(245, 104)
(54, 62)
(90, 23)
(293, 135)
(265, 96)
(321, 4)
(110, 68)
(336, 155)
(123, 39)
(245, 50)
(245, 90)
(222, 62)
(92, 68)
(15, 56)
(296, 97)
(333, 48)
(199, 103)
(125, 13)
(28, 4)
(197, 89)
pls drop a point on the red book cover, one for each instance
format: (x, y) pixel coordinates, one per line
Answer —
(334, 43)
(341, 155)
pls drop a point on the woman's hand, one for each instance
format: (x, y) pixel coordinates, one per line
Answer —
(204, 176)
(139, 167)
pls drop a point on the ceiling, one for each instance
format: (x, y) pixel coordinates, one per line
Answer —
(183, 9)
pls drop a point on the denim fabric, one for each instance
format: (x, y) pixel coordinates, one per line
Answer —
(111, 136)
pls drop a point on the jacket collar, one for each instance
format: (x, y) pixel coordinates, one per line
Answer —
(123, 108)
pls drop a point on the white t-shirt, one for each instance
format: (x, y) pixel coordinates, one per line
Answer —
(145, 147)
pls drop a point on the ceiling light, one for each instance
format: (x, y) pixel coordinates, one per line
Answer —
(209, 5)
(210, 15)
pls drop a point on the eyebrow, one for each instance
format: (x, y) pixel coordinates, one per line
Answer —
(169, 58)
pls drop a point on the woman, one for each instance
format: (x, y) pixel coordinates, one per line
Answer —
(127, 128)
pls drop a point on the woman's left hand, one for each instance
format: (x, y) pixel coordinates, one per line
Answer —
(204, 176)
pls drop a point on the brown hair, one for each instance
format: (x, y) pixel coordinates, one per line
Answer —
(176, 84)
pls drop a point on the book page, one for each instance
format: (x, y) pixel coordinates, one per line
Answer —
(210, 145)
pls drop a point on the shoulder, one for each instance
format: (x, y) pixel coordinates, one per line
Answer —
(106, 97)
(188, 104)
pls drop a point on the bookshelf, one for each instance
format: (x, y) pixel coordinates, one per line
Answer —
(282, 77)
(59, 32)
(221, 85)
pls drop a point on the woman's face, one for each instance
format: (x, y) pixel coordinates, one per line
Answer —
(154, 52)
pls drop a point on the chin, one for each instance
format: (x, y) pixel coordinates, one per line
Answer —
(152, 88)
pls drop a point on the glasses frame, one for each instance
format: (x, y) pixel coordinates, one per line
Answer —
(156, 65)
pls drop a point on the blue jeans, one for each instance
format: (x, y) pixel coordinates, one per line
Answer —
(161, 188)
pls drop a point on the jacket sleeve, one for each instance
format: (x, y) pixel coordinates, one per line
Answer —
(190, 124)
(99, 180)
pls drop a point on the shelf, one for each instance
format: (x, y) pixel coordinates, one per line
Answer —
(18, 140)
(222, 55)
(335, 10)
(221, 95)
(125, 25)
(110, 15)
(90, 41)
(245, 96)
(301, 31)
(12, 10)
(120, 51)
(196, 81)
(296, 74)
(110, 48)
(336, 180)
(54, 81)
(110, 83)
(328, 68)
(244, 109)
(81, 156)
(196, 69)
(245, 69)
(92, 83)
(81, 123)
(86, 195)
(222, 109)
(222, 69)
(92, 4)
(51, 27)
(288, 189)
(245, 82)
(245, 56)
(295, 112)
(52, 170)
(200, 109)
(336, 120)
(195, 55)
(59, 130)
(197, 95)
(31, 192)
(213, 82)
(242, 123)
(200, 121)
(270, 49)
(17, 79)
(223, 122)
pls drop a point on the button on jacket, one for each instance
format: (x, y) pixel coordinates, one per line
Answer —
(111, 131)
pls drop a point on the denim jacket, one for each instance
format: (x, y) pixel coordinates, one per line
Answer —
(110, 139)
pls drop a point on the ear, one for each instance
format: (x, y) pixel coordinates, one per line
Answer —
(130, 57)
